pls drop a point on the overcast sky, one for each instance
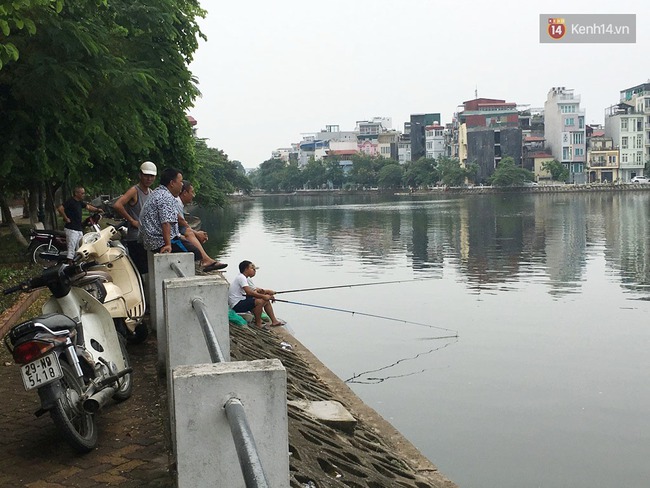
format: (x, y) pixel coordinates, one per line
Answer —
(271, 71)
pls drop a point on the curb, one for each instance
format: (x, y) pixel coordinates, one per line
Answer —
(10, 316)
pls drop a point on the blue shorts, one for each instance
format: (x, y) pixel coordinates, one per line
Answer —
(245, 305)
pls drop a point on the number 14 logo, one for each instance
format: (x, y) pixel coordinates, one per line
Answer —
(556, 28)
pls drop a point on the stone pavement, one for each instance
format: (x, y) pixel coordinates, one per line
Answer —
(134, 449)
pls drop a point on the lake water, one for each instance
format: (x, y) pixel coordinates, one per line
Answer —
(546, 384)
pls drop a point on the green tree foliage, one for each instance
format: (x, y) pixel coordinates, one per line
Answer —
(269, 176)
(334, 174)
(315, 173)
(557, 170)
(17, 16)
(98, 87)
(365, 169)
(450, 171)
(216, 176)
(507, 174)
(390, 176)
(421, 173)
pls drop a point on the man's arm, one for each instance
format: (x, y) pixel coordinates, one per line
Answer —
(61, 210)
(125, 199)
(257, 293)
(92, 208)
(167, 237)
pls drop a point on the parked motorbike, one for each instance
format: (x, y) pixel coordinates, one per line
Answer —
(49, 246)
(72, 355)
(114, 281)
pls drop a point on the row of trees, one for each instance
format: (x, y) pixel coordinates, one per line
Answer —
(366, 171)
(90, 89)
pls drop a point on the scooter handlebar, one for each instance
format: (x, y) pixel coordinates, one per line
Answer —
(24, 286)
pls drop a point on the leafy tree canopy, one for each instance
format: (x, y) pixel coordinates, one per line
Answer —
(507, 174)
(390, 176)
(557, 170)
(450, 171)
(98, 87)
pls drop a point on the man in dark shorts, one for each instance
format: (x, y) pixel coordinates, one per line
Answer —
(244, 296)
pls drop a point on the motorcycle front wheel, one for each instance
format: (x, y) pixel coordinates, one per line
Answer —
(75, 424)
(36, 255)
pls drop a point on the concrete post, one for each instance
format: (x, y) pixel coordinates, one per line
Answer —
(205, 452)
(159, 270)
(185, 340)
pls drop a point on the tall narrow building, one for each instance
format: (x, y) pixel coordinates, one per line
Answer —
(488, 131)
(628, 124)
(564, 131)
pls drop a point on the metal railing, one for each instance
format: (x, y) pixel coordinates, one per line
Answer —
(247, 452)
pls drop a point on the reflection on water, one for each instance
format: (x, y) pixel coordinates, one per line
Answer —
(494, 240)
(545, 385)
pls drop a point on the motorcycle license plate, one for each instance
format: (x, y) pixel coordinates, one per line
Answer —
(41, 372)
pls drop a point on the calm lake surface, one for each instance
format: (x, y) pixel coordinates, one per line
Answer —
(546, 384)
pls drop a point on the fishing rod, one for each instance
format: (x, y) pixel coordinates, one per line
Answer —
(372, 315)
(351, 286)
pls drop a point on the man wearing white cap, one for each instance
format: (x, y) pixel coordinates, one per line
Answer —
(129, 206)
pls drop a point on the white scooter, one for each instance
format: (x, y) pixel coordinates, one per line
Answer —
(114, 280)
(72, 355)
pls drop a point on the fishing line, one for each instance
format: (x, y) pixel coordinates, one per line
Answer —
(356, 378)
(353, 285)
(372, 315)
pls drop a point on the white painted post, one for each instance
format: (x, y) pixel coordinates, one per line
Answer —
(185, 341)
(159, 270)
(205, 452)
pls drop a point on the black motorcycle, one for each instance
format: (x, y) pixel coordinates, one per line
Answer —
(48, 247)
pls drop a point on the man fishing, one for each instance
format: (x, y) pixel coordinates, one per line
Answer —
(244, 296)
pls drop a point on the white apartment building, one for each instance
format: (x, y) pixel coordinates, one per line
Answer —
(564, 131)
(434, 137)
(628, 124)
(404, 149)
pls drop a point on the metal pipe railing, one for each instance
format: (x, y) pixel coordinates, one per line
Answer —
(178, 270)
(216, 354)
(249, 460)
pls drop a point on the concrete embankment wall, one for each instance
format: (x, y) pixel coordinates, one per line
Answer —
(374, 454)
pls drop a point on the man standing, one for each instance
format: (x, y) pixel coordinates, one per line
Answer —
(243, 296)
(129, 207)
(71, 213)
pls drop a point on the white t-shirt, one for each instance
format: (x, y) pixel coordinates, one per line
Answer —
(236, 291)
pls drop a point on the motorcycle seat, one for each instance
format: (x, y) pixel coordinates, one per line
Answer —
(53, 321)
(48, 232)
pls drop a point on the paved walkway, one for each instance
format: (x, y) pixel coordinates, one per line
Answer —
(132, 451)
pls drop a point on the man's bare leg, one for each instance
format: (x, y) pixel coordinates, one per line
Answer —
(206, 260)
(257, 311)
(268, 308)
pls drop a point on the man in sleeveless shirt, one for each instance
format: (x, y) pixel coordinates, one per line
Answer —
(129, 206)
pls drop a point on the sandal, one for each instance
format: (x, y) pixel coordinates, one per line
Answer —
(214, 267)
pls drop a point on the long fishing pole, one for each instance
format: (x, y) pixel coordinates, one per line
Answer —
(372, 315)
(351, 286)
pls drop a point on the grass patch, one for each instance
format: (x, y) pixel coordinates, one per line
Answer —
(15, 265)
